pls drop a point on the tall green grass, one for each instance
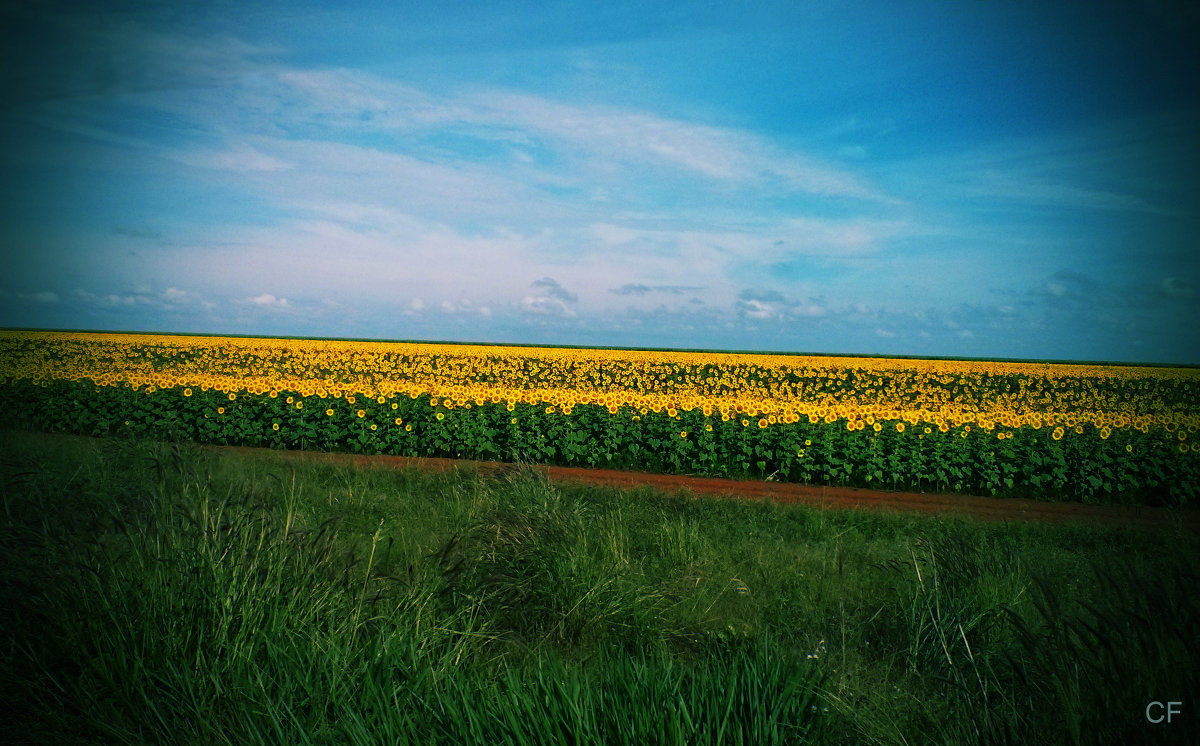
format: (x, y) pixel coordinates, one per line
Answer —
(167, 594)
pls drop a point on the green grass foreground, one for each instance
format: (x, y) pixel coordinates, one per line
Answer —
(167, 594)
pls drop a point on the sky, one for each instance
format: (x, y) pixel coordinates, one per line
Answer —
(969, 178)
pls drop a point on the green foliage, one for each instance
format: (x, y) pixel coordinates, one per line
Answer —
(159, 591)
(1155, 467)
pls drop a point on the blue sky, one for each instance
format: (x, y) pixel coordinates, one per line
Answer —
(982, 178)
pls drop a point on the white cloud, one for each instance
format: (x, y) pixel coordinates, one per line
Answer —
(540, 305)
(238, 157)
(350, 98)
(266, 300)
(551, 301)
(112, 300)
(756, 309)
(409, 213)
(1046, 192)
(1120, 165)
(767, 241)
(808, 308)
(463, 306)
(170, 299)
(45, 297)
(553, 290)
(623, 136)
(596, 143)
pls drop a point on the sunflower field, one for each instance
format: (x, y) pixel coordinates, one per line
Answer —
(1094, 433)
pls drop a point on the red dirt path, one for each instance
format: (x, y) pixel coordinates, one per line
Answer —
(837, 498)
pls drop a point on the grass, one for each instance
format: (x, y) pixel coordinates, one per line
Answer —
(162, 594)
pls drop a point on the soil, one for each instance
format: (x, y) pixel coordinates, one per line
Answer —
(834, 498)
